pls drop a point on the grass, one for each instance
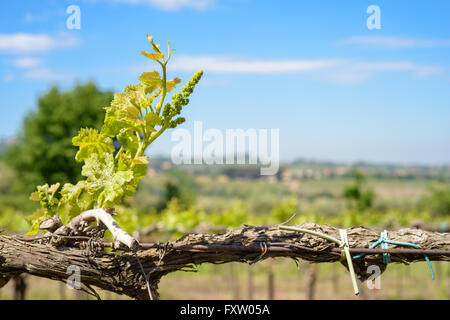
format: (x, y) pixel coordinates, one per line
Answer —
(230, 281)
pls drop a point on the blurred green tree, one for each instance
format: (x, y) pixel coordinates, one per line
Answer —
(438, 201)
(181, 186)
(358, 196)
(43, 151)
(7, 178)
(172, 191)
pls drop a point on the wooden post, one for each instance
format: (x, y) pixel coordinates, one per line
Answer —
(311, 281)
(438, 269)
(20, 287)
(335, 280)
(400, 282)
(270, 282)
(235, 287)
(250, 284)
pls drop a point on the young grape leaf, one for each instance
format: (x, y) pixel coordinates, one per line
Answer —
(171, 84)
(74, 199)
(153, 55)
(103, 182)
(46, 196)
(151, 79)
(129, 140)
(35, 219)
(151, 120)
(91, 141)
(140, 160)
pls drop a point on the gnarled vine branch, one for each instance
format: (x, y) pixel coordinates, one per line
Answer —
(122, 274)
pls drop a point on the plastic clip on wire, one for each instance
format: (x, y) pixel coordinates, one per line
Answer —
(384, 246)
(384, 241)
(343, 243)
(345, 249)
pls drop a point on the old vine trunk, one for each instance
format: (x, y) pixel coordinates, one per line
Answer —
(121, 272)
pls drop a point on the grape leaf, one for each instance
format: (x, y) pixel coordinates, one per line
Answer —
(171, 84)
(140, 160)
(74, 199)
(129, 140)
(151, 120)
(45, 194)
(91, 141)
(153, 55)
(103, 182)
(151, 79)
(35, 219)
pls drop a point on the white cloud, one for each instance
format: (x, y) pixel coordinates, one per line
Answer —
(337, 70)
(46, 74)
(393, 42)
(35, 69)
(26, 62)
(33, 17)
(419, 70)
(233, 65)
(172, 5)
(28, 43)
(8, 77)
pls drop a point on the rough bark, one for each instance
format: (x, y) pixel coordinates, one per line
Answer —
(120, 271)
(159, 227)
(419, 224)
(80, 225)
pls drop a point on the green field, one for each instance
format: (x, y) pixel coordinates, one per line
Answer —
(231, 281)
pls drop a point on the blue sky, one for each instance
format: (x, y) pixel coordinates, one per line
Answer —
(335, 89)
